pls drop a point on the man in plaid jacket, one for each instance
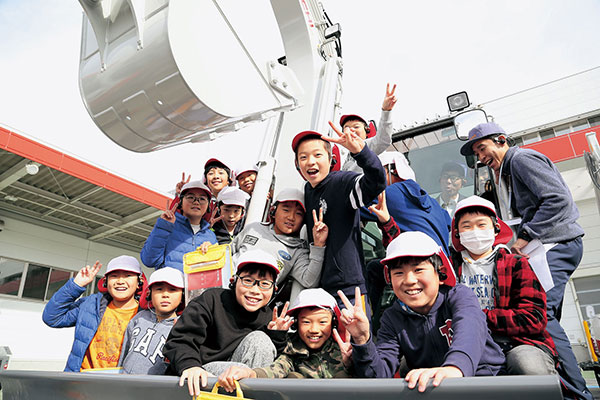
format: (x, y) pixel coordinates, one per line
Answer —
(508, 290)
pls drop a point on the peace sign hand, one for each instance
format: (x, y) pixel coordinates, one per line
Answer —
(345, 347)
(282, 322)
(86, 275)
(353, 317)
(213, 217)
(347, 139)
(169, 214)
(320, 231)
(389, 101)
(380, 209)
(182, 182)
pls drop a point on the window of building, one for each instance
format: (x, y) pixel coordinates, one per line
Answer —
(32, 281)
(572, 127)
(530, 138)
(588, 293)
(594, 121)
(547, 134)
(11, 274)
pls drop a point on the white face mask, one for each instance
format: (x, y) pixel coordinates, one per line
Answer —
(478, 241)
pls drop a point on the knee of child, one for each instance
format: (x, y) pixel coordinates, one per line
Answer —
(260, 342)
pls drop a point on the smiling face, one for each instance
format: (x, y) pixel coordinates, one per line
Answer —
(216, 179)
(356, 126)
(246, 181)
(314, 326)
(254, 298)
(165, 299)
(231, 215)
(194, 204)
(490, 153)
(122, 285)
(415, 283)
(313, 160)
(289, 216)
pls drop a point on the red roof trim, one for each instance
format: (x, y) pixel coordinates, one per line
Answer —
(565, 147)
(35, 151)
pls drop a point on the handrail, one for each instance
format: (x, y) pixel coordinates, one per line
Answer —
(34, 385)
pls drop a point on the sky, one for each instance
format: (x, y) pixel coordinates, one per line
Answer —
(430, 49)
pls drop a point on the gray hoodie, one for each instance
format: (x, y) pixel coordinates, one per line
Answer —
(296, 259)
(144, 339)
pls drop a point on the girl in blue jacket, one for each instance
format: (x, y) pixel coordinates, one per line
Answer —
(178, 233)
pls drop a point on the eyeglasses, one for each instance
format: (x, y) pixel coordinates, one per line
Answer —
(263, 284)
(191, 198)
(453, 178)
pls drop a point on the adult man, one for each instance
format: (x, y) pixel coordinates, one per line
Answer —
(548, 212)
(452, 179)
(377, 140)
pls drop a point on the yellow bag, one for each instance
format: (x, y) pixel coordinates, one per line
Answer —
(214, 395)
(206, 270)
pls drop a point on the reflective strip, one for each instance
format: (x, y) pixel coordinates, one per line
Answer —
(356, 198)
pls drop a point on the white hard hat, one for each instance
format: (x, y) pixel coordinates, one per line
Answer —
(196, 185)
(124, 263)
(313, 298)
(169, 275)
(400, 162)
(257, 256)
(233, 196)
(290, 194)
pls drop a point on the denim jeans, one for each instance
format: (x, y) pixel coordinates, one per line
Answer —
(529, 360)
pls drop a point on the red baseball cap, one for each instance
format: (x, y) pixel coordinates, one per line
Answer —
(304, 134)
(346, 117)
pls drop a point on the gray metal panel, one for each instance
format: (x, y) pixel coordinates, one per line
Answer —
(62, 385)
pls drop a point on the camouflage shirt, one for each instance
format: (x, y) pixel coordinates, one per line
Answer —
(296, 357)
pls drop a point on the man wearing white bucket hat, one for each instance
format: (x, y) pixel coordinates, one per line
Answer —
(438, 327)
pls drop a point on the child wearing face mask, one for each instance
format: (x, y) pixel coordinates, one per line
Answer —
(508, 290)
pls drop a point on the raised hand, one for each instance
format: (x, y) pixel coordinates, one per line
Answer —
(196, 378)
(234, 373)
(182, 182)
(320, 231)
(213, 217)
(422, 376)
(389, 101)
(169, 213)
(86, 275)
(380, 209)
(353, 317)
(204, 246)
(282, 322)
(345, 347)
(347, 139)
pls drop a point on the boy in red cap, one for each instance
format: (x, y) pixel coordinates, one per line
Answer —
(508, 290)
(436, 325)
(338, 195)
(310, 352)
(378, 140)
(100, 319)
(147, 332)
(225, 327)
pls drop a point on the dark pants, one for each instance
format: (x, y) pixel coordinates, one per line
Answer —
(375, 284)
(563, 259)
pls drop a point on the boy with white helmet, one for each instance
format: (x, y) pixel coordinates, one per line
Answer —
(438, 327)
(178, 233)
(311, 351)
(147, 332)
(224, 327)
(300, 263)
(99, 319)
(246, 177)
(231, 203)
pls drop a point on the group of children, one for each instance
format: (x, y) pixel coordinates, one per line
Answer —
(484, 316)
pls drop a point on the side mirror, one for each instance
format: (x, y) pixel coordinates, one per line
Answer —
(467, 120)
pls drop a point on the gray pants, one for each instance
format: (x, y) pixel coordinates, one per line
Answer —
(529, 360)
(256, 350)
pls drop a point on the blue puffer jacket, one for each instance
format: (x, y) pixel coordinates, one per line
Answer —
(85, 314)
(168, 242)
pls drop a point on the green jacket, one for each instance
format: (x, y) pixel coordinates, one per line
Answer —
(297, 359)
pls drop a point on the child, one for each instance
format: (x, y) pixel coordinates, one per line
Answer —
(339, 195)
(100, 319)
(438, 328)
(508, 290)
(310, 351)
(231, 205)
(300, 264)
(217, 175)
(175, 234)
(147, 332)
(377, 140)
(225, 327)
(246, 177)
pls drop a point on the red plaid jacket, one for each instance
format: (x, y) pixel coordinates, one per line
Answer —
(519, 303)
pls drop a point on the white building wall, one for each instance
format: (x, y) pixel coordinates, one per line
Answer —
(32, 343)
